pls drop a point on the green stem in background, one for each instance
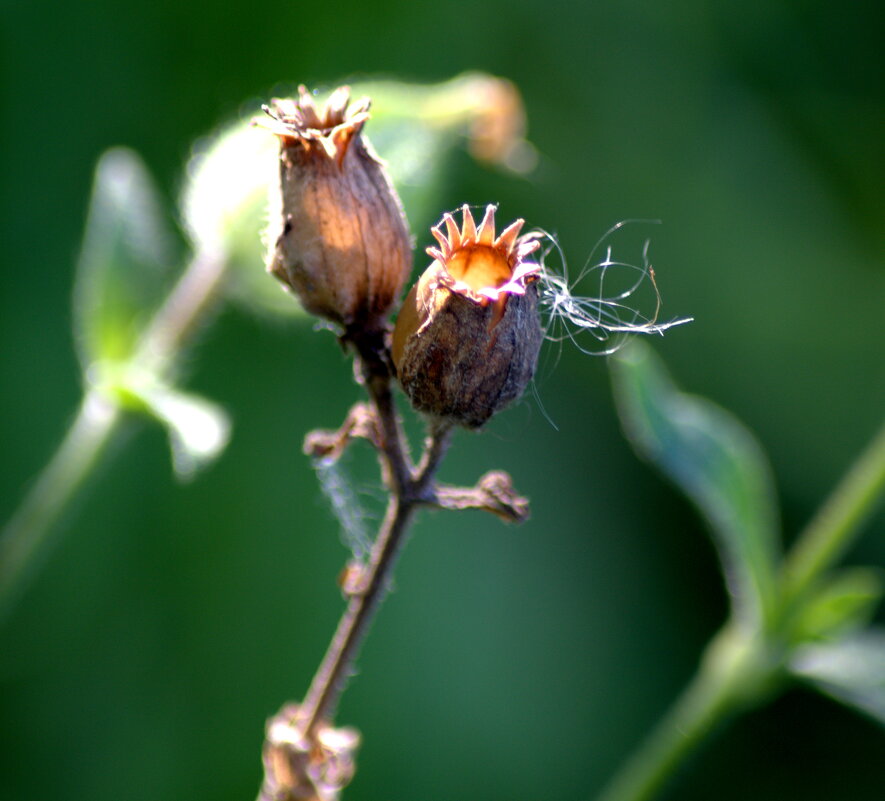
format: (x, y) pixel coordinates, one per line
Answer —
(834, 527)
(25, 536)
(181, 314)
(676, 736)
(741, 667)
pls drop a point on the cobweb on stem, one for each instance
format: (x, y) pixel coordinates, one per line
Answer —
(346, 506)
(607, 314)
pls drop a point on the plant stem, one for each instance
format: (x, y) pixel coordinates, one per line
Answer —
(692, 717)
(25, 536)
(734, 673)
(408, 489)
(187, 305)
(834, 527)
(715, 694)
(331, 676)
(375, 368)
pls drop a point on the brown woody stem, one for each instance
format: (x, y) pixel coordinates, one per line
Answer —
(331, 677)
(300, 763)
(408, 488)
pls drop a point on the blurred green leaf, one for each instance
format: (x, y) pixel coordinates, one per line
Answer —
(845, 603)
(716, 462)
(224, 209)
(851, 670)
(123, 269)
(198, 429)
(417, 157)
(417, 127)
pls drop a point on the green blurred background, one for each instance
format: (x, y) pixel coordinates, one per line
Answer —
(168, 621)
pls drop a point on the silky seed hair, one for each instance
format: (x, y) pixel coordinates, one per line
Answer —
(607, 315)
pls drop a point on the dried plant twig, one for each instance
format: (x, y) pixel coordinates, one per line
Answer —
(465, 345)
(299, 762)
(360, 423)
(493, 493)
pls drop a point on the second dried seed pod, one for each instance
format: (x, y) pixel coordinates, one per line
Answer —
(338, 236)
(467, 337)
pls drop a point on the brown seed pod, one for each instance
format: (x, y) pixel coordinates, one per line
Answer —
(467, 337)
(337, 232)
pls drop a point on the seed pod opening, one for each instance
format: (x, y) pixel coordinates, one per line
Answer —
(337, 233)
(467, 338)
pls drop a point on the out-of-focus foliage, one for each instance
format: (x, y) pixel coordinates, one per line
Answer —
(717, 463)
(814, 626)
(123, 277)
(125, 263)
(845, 602)
(224, 209)
(171, 621)
(852, 670)
(198, 429)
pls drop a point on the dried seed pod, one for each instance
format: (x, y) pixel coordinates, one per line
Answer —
(467, 337)
(301, 766)
(337, 233)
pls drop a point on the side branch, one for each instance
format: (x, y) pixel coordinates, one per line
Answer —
(360, 423)
(493, 493)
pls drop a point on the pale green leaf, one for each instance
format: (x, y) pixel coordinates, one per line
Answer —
(716, 462)
(417, 158)
(851, 670)
(846, 602)
(123, 269)
(224, 208)
(416, 128)
(198, 429)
